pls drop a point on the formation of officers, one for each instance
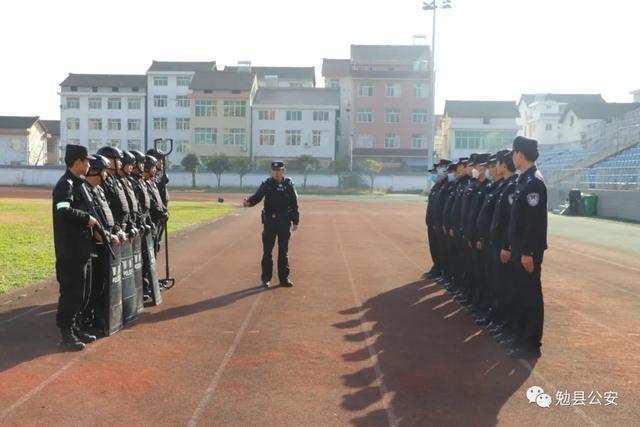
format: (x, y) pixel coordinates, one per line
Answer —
(487, 222)
(103, 204)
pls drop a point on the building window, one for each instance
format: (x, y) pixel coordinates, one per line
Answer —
(392, 90)
(570, 121)
(419, 116)
(334, 83)
(183, 80)
(133, 124)
(134, 144)
(483, 140)
(391, 140)
(183, 146)
(73, 123)
(364, 141)
(266, 115)
(114, 104)
(161, 81)
(160, 101)
(420, 90)
(182, 101)
(95, 124)
(113, 124)
(317, 136)
(94, 144)
(392, 115)
(95, 103)
(234, 136)
(320, 116)
(549, 126)
(160, 123)
(486, 120)
(133, 103)
(294, 137)
(205, 136)
(205, 108)
(365, 89)
(417, 140)
(235, 108)
(182, 123)
(267, 137)
(115, 89)
(135, 89)
(294, 115)
(114, 143)
(364, 115)
(295, 84)
(73, 103)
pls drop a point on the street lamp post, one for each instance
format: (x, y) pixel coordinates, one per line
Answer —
(433, 6)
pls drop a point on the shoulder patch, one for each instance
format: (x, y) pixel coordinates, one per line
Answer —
(533, 199)
(510, 198)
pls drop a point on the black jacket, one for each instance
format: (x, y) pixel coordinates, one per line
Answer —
(501, 213)
(72, 238)
(280, 198)
(475, 203)
(528, 221)
(483, 222)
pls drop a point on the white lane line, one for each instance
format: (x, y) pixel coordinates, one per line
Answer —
(213, 384)
(19, 315)
(5, 413)
(597, 258)
(382, 387)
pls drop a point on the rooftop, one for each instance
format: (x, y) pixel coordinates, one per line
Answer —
(182, 66)
(389, 53)
(561, 97)
(17, 122)
(308, 73)
(222, 80)
(599, 111)
(106, 80)
(475, 109)
(298, 96)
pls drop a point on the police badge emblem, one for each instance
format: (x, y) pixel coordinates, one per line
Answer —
(533, 199)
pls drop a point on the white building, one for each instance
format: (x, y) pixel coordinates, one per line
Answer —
(290, 122)
(578, 116)
(23, 141)
(54, 150)
(337, 75)
(478, 127)
(540, 114)
(636, 95)
(103, 109)
(169, 105)
(278, 76)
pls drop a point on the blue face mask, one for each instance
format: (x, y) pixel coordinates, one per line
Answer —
(442, 171)
(451, 177)
(434, 177)
(487, 174)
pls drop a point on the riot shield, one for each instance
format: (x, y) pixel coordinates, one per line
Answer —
(149, 269)
(137, 271)
(129, 304)
(113, 299)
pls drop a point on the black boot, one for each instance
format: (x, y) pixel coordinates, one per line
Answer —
(69, 341)
(84, 336)
(286, 283)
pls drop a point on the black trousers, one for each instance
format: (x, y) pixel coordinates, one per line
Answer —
(280, 228)
(433, 247)
(94, 311)
(74, 276)
(528, 301)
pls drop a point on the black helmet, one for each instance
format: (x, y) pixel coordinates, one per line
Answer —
(99, 163)
(138, 155)
(128, 158)
(159, 155)
(149, 162)
(108, 151)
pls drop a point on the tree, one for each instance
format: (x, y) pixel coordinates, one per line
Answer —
(242, 165)
(373, 168)
(191, 162)
(219, 164)
(308, 164)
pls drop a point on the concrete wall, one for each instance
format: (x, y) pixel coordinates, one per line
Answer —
(49, 176)
(616, 204)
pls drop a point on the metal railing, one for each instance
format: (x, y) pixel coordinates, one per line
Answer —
(606, 178)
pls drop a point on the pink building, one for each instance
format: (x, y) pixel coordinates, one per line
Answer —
(388, 105)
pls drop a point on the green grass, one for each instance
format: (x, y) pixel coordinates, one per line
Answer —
(26, 236)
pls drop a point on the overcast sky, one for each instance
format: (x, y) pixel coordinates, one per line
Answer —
(485, 49)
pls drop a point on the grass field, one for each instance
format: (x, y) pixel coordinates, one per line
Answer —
(26, 239)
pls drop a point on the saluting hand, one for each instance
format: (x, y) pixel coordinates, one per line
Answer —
(245, 203)
(527, 263)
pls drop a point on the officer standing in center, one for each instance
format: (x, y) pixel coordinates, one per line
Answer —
(280, 211)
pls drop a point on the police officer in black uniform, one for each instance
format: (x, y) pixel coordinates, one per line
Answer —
(279, 212)
(115, 192)
(95, 318)
(161, 175)
(439, 178)
(438, 222)
(528, 240)
(73, 236)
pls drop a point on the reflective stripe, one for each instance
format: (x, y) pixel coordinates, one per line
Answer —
(62, 205)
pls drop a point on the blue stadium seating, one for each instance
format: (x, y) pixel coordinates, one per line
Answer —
(620, 170)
